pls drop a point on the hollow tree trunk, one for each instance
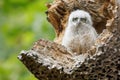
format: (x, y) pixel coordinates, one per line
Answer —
(51, 61)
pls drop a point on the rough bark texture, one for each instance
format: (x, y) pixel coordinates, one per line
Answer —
(51, 61)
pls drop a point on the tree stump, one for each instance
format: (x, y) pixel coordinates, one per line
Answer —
(51, 61)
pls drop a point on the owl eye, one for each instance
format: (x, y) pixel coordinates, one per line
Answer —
(74, 19)
(83, 20)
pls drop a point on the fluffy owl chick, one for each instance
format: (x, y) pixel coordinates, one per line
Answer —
(79, 34)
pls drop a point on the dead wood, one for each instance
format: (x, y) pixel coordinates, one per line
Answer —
(51, 61)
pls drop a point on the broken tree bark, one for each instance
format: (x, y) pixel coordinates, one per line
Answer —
(51, 61)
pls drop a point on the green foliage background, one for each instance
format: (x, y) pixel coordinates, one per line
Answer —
(22, 22)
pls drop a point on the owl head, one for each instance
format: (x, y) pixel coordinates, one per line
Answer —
(79, 17)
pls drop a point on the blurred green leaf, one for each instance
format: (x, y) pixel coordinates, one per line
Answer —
(22, 22)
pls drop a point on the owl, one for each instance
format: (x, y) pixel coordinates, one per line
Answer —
(80, 34)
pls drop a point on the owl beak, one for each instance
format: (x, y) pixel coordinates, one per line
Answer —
(79, 22)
